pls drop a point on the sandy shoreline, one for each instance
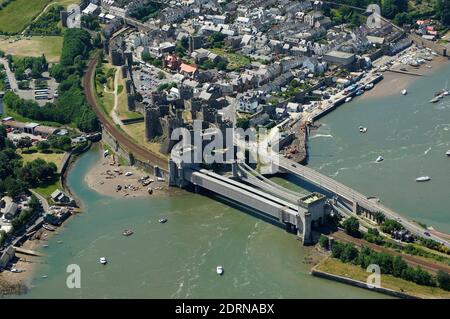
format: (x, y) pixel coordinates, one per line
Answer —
(107, 175)
(394, 83)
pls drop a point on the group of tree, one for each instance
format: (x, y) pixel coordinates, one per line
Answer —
(147, 57)
(90, 22)
(47, 23)
(149, 10)
(71, 105)
(389, 265)
(216, 40)
(442, 9)
(19, 65)
(15, 177)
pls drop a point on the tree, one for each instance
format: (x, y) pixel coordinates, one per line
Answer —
(349, 253)
(43, 145)
(351, 226)
(443, 279)
(398, 266)
(323, 241)
(390, 225)
(442, 9)
(24, 142)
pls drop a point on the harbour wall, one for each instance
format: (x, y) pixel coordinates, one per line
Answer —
(439, 49)
(360, 284)
(130, 158)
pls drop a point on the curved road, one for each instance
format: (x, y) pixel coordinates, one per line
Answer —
(137, 150)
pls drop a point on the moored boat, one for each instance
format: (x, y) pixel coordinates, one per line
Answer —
(103, 260)
(447, 153)
(162, 220)
(219, 270)
(348, 99)
(423, 179)
(48, 227)
(404, 92)
(127, 232)
(379, 159)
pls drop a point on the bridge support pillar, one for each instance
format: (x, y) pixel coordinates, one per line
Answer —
(306, 228)
(355, 207)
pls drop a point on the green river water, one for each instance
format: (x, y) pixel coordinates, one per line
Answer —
(178, 259)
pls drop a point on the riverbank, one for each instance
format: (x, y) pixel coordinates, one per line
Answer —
(394, 83)
(108, 177)
(333, 269)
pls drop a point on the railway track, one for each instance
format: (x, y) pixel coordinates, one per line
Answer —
(137, 150)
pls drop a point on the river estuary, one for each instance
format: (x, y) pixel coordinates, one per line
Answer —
(178, 259)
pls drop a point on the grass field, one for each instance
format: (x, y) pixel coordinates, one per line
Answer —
(51, 46)
(137, 132)
(336, 267)
(47, 189)
(235, 60)
(122, 105)
(19, 13)
(53, 157)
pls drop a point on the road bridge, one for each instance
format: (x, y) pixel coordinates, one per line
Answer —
(353, 199)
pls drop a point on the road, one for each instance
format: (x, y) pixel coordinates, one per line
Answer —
(136, 149)
(10, 75)
(351, 195)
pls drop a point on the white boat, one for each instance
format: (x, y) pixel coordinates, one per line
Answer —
(379, 159)
(103, 260)
(404, 92)
(362, 129)
(219, 270)
(448, 153)
(128, 173)
(423, 179)
(348, 99)
(162, 220)
(368, 86)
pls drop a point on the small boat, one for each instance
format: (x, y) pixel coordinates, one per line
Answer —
(359, 92)
(404, 92)
(362, 129)
(368, 86)
(436, 99)
(128, 173)
(48, 227)
(219, 270)
(103, 260)
(379, 159)
(448, 153)
(348, 99)
(127, 232)
(162, 220)
(423, 179)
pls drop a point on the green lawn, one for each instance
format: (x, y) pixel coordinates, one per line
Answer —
(52, 158)
(335, 266)
(19, 13)
(47, 189)
(235, 60)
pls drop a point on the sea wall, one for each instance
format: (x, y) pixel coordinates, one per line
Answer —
(360, 284)
(439, 49)
(129, 157)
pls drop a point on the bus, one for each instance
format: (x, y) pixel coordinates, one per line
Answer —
(41, 97)
(42, 91)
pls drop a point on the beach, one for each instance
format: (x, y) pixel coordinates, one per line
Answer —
(109, 178)
(394, 83)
